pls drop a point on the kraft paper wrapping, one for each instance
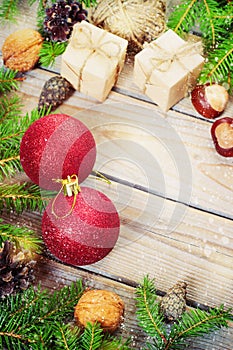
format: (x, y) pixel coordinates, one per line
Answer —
(93, 60)
(167, 68)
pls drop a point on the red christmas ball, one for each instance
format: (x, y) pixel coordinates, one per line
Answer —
(80, 232)
(56, 146)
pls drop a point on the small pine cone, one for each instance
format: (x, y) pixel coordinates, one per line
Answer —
(61, 17)
(173, 303)
(55, 91)
(16, 269)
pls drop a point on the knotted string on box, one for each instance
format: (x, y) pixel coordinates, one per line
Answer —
(162, 59)
(82, 39)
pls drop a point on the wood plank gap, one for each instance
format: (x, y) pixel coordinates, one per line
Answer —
(158, 194)
(121, 280)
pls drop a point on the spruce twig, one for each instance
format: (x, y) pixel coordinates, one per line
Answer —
(20, 197)
(49, 51)
(8, 80)
(12, 128)
(196, 323)
(215, 21)
(193, 323)
(37, 320)
(28, 320)
(148, 313)
(21, 236)
(10, 107)
(9, 10)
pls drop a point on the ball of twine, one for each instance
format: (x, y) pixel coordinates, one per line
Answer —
(137, 21)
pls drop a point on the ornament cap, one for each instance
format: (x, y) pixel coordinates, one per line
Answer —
(71, 187)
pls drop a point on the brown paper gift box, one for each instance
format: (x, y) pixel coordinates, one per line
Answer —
(166, 68)
(93, 60)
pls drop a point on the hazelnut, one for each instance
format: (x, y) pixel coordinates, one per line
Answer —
(21, 49)
(222, 135)
(101, 306)
(209, 100)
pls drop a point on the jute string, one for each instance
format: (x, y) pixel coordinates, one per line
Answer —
(162, 59)
(82, 38)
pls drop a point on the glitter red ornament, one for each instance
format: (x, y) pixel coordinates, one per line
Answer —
(80, 230)
(56, 146)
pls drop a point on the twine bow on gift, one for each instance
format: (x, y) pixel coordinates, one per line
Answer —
(163, 59)
(82, 39)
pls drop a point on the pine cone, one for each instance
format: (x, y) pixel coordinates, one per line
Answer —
(56, 90)
(61, 17)
(173, 303)
(16, 269)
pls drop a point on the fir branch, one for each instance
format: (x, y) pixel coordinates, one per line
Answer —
(184, 16)
(10, 164)
(28, 320)
(9, 10)
(8, 80)
(20, 197)
(148, 312)
(218, 67)
(21, 236)
(196, 323)
(50, 51)
(66, 336)
(89, 3)
(10, 107)
(192, 323)
(112, 343)
(11, 130)
(92, 337)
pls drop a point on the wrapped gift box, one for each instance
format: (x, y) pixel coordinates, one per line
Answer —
(167, 68)
(93, 60)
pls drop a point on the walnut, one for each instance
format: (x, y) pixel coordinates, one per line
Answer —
(21, 49)
(101, 306)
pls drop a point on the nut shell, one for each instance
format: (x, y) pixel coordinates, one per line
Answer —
(21, 49)
(209, 100)
(101, 306)
(222, 135)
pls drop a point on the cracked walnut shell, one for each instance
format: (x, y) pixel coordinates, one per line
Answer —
(101, 306)
(21, 49)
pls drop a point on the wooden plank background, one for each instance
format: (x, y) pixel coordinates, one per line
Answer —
(172, 190)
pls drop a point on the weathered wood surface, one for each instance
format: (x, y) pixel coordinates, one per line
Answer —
(172, 190)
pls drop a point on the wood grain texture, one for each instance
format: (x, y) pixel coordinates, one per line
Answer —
(172, 190)
(170, 154)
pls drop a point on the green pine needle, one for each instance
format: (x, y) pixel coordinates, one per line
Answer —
(115, 344)
(9, 10)
(196, 323)
(21, 197)
(92, 337)
(148, 311)
(50, 51)
(215, 21)
(12, 128)
(28, 319)
(218, 66)
(193, 323)
(10, 107)
(8, 80)
(21, 236)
